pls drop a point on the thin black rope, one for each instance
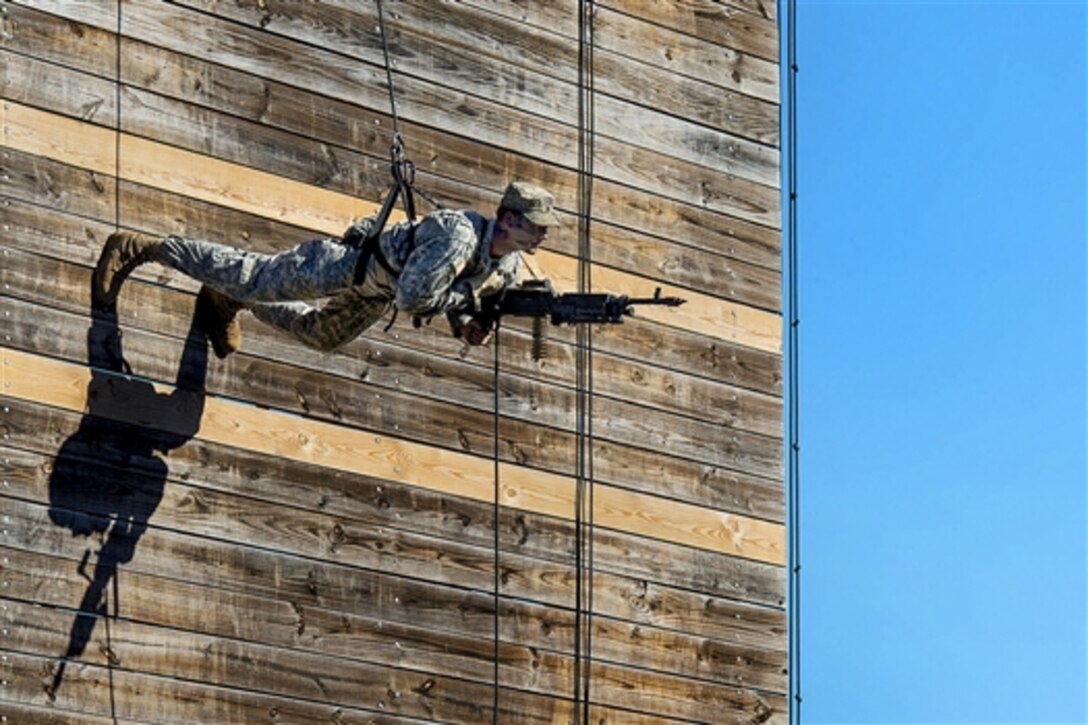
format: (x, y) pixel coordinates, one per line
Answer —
(398, 140)
(117, 227)
(793, 391)
(583, 605)
(495, 515)
(403, 169)
(117, 136)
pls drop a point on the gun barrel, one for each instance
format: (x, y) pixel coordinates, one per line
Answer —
(667, 301)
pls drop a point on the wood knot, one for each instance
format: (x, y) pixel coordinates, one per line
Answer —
(109, 654)
(763, 711)
(329, 398)
(301, 615)
(374, 357)
(711, 356)
(51, 674)
(519, 455)
(521, 529)
(300, 397)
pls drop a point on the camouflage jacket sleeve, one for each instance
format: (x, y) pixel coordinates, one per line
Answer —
(427, 285)
(511, 268)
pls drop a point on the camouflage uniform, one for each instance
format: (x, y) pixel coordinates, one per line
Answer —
(449, 260)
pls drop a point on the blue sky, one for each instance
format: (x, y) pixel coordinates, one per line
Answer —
(942, 180)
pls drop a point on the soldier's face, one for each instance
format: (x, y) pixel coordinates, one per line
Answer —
(525, 235)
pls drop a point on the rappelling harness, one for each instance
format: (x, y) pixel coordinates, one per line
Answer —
(403, 171)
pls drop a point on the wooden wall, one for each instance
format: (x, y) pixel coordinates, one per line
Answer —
(289, 536)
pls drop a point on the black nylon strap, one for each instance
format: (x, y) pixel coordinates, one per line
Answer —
(371, 246)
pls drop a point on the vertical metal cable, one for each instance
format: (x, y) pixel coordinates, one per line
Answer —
(793, 387)
(583, 522)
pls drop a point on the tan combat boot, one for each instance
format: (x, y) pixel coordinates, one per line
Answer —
(218, 315)
(122, 253)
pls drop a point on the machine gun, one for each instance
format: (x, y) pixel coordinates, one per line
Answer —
(538, 300)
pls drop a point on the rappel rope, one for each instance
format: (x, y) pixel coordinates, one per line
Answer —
(496, 514)
(117, 228)
(117, 136)
(403, 185)
(404, 171)
(404, 177)
(583, 522)
(401, 168)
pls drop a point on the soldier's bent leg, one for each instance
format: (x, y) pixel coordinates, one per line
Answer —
(338, 322)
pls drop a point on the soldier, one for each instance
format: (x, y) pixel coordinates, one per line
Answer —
(444, 263)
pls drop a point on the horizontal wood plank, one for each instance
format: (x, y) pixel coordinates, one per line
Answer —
(449, 159)
(383, 403)
(168, 603)
(751, 32)
(379, 504)
(390, 370)
(29, 80)
(333, 31)
(748, 193)
(60, 236)
(295, 619)
(260, 193)
(80, 33)
(248, 668)
(389, 596)
(201, 83)
(309, 583)
(63, 385)
(348, 682)
(619, 38)
(92, 693)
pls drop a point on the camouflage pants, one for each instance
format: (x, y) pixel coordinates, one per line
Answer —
(274, 287)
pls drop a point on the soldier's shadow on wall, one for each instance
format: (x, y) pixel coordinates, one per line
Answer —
(109, 476)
